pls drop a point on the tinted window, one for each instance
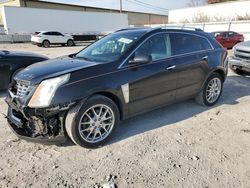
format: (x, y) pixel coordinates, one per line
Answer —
(185, 43)
(56, 33)
(158, 47)
(224, 34)
(231, 34)
(47, 33)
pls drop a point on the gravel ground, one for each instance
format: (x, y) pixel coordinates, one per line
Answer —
(182, 145)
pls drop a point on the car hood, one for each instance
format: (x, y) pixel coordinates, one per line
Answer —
(52, 68)
(21, 54)
(245, 46)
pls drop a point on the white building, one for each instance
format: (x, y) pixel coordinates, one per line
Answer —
(211, 13)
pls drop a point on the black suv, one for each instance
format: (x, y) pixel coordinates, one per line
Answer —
(85, 95)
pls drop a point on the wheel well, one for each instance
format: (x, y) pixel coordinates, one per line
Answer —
(222, 73)
(45, 40)
(115, 99)
(14, 73)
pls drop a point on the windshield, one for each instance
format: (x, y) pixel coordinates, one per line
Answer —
(109, 48)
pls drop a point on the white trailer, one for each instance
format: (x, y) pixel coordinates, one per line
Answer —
(24, 21)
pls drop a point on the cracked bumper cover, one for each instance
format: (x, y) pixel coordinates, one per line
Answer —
(19, 127)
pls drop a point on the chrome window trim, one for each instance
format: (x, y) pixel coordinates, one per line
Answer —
(172, 56)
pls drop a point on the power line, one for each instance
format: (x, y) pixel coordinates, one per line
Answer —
(150, 5)
(147, 6)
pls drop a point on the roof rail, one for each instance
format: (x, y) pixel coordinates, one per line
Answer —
(180, 27)
(131, 28)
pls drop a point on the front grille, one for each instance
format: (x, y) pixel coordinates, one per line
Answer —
(242, 57)
(242, 54)
(22, 88)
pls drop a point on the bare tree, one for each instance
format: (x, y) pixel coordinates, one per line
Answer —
(217, 1)
(195, 3)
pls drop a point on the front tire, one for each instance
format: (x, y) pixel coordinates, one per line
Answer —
(94, 123)
(211, 91)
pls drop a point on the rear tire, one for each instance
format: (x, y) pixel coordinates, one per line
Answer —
(93, 123)
(46, 44)
(211, 91)
(70, 42)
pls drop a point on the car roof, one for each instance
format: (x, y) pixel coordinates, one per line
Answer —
(47, 31)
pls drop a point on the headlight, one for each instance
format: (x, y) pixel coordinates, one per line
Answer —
(46, 90)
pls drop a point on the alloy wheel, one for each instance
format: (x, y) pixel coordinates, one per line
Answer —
(96, 123)
(213, 90)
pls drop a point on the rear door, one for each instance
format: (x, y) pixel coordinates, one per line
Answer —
(191, 57)
(49, 36)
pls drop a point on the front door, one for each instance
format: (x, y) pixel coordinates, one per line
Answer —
(153, 84)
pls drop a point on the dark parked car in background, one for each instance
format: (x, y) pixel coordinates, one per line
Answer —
(87, 94)
(13, 62)
(228, 39)
(240, 60)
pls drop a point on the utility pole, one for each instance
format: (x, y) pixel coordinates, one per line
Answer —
(120, 6)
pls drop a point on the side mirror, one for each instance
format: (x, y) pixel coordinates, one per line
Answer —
(140, 59)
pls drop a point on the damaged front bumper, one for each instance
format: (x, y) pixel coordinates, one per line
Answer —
(37, 125)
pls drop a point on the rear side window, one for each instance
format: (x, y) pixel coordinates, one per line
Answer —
(186, 43)
(47, 33)
(231, 34)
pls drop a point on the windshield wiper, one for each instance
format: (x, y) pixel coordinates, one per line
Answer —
(84, 58)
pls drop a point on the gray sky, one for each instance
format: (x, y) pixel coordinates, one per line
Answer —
(150, 6)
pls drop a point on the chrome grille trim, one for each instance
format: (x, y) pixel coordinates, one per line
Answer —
(22, 88)
(242, 54)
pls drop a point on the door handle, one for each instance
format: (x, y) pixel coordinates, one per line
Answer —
(205, 58)
(171, 67)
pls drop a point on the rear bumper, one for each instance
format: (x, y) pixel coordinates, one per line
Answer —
(36, 43)
(237, 63)
(36, 40)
